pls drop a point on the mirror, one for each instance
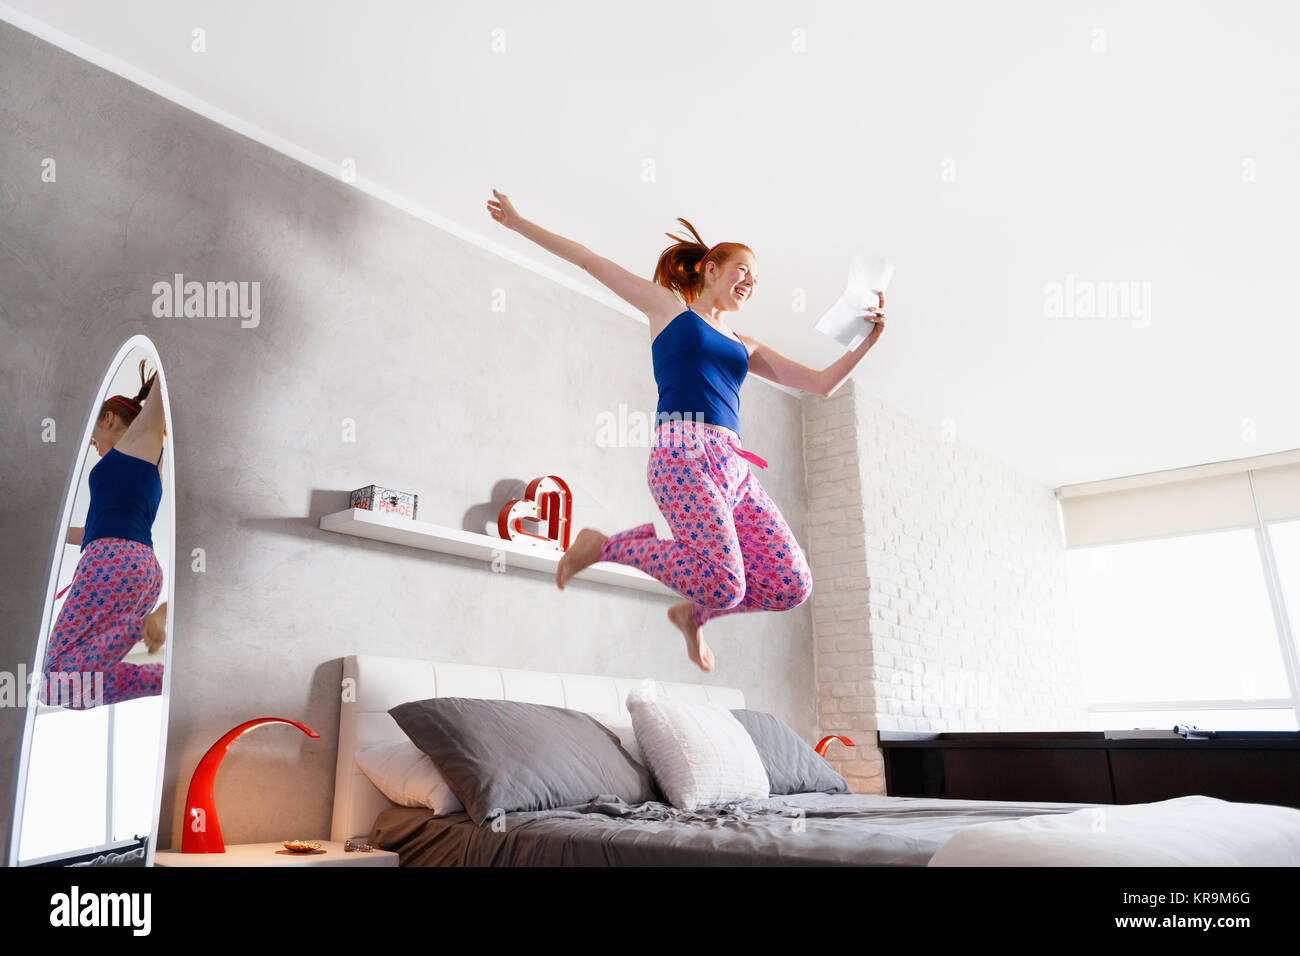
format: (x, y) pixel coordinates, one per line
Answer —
(90, 765)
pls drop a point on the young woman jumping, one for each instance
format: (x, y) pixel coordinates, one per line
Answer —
(110, 603)
(731, 548)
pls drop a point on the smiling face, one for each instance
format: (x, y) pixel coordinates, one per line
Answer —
(730, 284)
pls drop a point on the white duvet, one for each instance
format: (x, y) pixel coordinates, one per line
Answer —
(1185, 831)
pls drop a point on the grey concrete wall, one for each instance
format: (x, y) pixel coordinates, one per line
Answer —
(366, 314)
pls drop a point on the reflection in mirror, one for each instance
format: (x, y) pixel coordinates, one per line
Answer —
(90, 767)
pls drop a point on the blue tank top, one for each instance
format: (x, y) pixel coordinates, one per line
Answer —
(699, 370)
(124, 495)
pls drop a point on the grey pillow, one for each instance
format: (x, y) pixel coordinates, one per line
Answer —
(792, 765)
(510, 755)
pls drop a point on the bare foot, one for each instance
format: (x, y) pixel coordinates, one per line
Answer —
(696, 648)
(582, 553)
(154, 631)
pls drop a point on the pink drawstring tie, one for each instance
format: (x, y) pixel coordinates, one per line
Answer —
(749, 455)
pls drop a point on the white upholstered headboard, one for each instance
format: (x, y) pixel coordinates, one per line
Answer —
(372, 685)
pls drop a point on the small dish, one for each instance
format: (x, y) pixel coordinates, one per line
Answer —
(300, 846)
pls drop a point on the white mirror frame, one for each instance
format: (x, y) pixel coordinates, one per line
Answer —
(56, 552)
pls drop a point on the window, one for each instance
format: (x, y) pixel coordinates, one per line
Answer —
(1284, 537)
(1181, 630)
(1186, 592)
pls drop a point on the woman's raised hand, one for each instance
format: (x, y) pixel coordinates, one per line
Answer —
(876, 313)
(502, 211)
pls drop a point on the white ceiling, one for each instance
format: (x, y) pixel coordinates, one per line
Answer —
(1123, 164)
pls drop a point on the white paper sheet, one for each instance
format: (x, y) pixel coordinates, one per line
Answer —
(844, 320)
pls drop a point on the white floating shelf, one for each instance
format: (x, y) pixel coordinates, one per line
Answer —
(432, 537)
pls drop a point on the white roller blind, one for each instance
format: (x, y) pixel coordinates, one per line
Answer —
(1213, 497)
(1278, 491)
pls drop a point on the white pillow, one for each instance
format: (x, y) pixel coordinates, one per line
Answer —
(621, 724)
(405, 775)
(700, 754)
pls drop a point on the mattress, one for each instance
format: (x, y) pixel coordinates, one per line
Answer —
(807, 829)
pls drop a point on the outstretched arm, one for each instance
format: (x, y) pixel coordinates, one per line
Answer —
(838, 372)
(766, 362)
(649, 297)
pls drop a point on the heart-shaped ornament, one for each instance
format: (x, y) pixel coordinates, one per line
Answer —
(547, 504)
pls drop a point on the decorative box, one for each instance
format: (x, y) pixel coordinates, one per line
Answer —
(385, 500)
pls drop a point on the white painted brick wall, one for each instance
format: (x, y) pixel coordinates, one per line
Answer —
(939, 589)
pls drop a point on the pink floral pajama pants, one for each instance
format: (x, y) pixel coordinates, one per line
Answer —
(731, 549)
(116, 584)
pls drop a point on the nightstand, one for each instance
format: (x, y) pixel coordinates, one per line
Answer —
(274, 854)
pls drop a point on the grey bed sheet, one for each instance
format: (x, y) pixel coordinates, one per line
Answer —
(805, 829)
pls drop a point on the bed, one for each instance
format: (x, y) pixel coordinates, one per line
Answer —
(795, 829)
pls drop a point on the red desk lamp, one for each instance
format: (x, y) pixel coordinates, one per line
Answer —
(202, 832)
(826, 742)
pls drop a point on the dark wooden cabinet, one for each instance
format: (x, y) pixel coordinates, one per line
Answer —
(1090, 767)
